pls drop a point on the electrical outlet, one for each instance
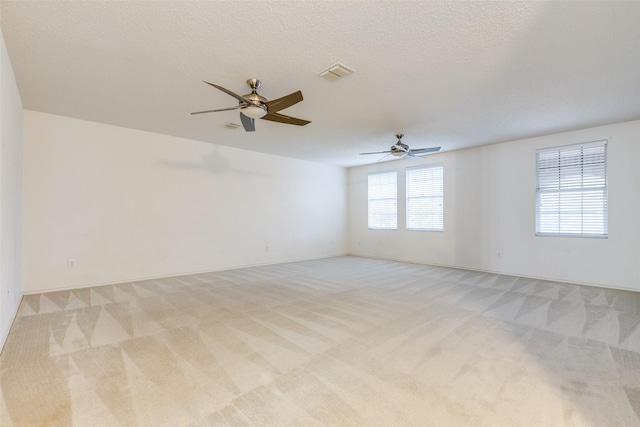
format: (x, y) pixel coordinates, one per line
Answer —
(71, 263)
(499, 254)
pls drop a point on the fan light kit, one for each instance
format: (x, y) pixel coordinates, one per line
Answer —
(400, 149)
(253, 106)
(254, 112)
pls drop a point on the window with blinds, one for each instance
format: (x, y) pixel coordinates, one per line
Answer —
(383, 200)
(571, 190)
(425, 198)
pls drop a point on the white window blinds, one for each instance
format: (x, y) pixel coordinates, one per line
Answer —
(383, 201)
(571, 190)
(425, 198)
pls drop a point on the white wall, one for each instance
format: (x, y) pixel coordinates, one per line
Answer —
(490, 207)
(10, 194)
(127, 204)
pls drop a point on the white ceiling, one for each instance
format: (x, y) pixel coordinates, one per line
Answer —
(454, 74)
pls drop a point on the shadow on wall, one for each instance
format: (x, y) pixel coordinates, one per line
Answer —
(213, 163)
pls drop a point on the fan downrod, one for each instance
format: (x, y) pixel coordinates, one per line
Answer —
(254, 84)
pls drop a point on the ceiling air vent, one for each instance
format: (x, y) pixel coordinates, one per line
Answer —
(230, 125)
(335, 72)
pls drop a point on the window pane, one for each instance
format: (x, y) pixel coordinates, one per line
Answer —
(425, 202)
(383, 205)
(571, 190)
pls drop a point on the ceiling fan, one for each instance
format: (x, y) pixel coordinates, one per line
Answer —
(253, 106)
(400, 149)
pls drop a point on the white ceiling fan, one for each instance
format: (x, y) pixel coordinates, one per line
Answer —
(401, 150)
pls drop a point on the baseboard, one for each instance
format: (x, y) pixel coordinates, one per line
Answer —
(503, 273)
(5, 334)
(187, 273)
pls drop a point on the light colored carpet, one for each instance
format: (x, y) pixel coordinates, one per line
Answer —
(342, 341)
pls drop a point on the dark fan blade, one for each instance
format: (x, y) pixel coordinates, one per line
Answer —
(248, 123)
(420, 151)
(377, 152)
(281, 118)
(284, 102)
(228, 92)
(215, 111)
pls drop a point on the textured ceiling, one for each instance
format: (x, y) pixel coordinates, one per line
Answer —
(455, 74)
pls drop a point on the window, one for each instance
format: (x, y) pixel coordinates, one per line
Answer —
(425, 198)
(571, 190)
(383, 202)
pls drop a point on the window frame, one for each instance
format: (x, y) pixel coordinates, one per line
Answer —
(440, 196)
(594, 191)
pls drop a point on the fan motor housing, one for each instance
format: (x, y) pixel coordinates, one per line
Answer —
(400, 149)
(255, 99)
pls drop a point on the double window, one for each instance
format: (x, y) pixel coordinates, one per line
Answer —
(424, 199)
(571, 190)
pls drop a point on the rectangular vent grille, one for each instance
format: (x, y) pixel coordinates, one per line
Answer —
(230, 125)
(335, 72)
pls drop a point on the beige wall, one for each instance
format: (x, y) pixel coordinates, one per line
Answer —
(127, 204)
(490, 206)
